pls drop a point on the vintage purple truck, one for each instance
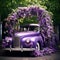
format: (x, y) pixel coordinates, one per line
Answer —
(27, 39)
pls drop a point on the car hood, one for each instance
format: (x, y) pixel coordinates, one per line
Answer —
(30, 33)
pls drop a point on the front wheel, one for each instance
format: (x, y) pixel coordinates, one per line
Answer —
(37, 51)
(38, 47)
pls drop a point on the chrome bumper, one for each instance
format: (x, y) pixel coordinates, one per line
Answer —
(19, 49)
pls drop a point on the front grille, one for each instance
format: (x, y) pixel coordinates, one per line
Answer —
(16, 42)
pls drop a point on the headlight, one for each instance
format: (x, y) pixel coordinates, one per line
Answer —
(8, 39)
(27, 40)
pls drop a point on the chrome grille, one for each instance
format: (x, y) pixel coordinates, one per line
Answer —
(16, 42)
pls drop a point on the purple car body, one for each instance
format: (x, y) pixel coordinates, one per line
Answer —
(28, 40)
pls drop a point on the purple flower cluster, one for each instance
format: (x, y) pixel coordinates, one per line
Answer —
(45, 51)
(25, 12)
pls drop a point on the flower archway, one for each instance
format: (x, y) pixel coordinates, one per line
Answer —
(43, 17)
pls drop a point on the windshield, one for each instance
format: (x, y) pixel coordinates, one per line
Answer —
(29, 28)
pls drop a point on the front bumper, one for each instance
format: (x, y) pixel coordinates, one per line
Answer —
(19, 49)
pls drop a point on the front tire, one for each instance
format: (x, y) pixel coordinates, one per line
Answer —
(38, 47)
(37, 51)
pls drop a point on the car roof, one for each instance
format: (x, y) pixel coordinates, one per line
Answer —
(30, 25)
(34, 24)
